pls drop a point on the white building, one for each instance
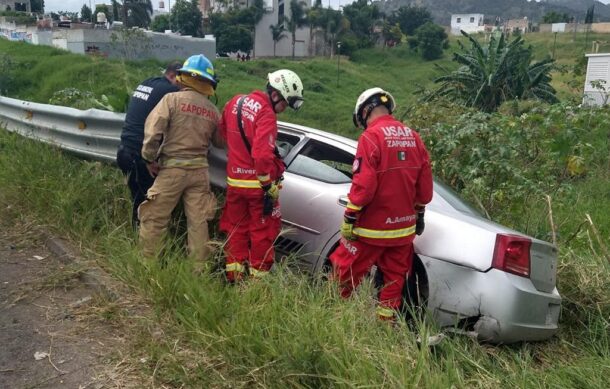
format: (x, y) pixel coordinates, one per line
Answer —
(467, 22)
(597, 81)
(263, 41)
(275, 12)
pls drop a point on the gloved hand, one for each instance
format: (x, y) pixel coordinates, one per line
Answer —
(347, 227)
(419, 223)
(267, 204)
(272, 190)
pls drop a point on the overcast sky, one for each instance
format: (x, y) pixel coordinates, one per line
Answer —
(76, 5)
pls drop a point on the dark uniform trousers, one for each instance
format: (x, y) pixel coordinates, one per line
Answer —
(139, 179)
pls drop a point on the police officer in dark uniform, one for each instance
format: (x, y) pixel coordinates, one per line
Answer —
(129, 158)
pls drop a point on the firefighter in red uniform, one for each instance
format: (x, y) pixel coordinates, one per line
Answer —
(251, 217)
(392, 182)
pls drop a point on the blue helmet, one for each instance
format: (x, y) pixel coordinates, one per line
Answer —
(199, 66)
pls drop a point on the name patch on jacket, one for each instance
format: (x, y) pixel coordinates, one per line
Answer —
(142, 92)
(397, 131)
(197, 110)
(249, 108)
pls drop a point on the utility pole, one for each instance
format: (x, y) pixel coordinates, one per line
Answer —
(169, 17)
(338, 60)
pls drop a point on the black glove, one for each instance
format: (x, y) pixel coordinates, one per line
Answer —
(268, 202)
(419, 223)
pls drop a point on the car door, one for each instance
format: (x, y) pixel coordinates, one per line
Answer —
(317, 175)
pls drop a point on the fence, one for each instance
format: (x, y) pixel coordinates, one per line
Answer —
(92, 133)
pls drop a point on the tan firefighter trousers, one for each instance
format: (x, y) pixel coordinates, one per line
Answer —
(172, 184)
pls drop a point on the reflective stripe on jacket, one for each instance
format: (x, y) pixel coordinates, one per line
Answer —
(391, 174)
(260, 128)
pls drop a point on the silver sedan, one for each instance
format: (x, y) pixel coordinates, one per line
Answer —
(470, 273)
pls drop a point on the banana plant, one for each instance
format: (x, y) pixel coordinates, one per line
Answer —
(503, 70)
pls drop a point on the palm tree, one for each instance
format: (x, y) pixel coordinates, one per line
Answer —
(314, 18)
(277, 33)
(499, 72)
(333, 23)
(297, 20)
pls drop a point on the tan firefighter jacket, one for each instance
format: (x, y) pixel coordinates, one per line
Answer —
(179, 130)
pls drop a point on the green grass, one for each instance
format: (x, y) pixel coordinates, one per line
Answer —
(290, 331)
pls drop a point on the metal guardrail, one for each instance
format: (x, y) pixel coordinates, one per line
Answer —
(92, 133)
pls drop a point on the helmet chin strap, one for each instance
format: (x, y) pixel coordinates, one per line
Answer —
(366, 112)
(274, 102)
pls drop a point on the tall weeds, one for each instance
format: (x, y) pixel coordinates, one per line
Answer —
(287, 331)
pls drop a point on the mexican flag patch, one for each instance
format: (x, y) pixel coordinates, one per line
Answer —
(402, 155)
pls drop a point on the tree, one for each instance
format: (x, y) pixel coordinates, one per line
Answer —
(297, 19)
(134, 12)
(430, 39)
(85, 13)
(410, 18)
(115, 10)
(186, 18)
(160, 23)
(590, 14)
(362, 18)
(314, 18)
(490, 75)
(392, 34)
(234, 29)
(235, 38)
(333, 23)
(555, 17)
(37, 6)
(277, 34)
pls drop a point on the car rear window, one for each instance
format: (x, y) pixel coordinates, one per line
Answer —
(451, 197)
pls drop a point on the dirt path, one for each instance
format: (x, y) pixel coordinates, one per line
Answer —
(52, 328)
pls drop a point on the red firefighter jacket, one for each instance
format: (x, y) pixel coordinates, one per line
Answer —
(245, 169)
(391, 174)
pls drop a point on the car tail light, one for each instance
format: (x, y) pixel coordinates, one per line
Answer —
(512, 254)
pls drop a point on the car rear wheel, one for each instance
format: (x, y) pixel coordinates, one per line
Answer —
(415, 292)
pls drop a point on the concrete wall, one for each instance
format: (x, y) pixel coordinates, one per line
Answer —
(15, 32)
(130, 44)
(566, 27)
(600, 27)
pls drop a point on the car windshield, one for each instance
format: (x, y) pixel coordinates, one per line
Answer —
(449, 196)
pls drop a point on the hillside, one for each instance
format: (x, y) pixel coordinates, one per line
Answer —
(505, 9)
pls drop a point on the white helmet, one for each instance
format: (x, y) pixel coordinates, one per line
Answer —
(289, 85)
(368, 100)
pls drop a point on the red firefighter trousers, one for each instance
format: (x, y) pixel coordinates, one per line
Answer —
(353, 260)
(250, 234)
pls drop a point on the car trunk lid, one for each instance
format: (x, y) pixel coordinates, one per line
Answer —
(543, 265)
